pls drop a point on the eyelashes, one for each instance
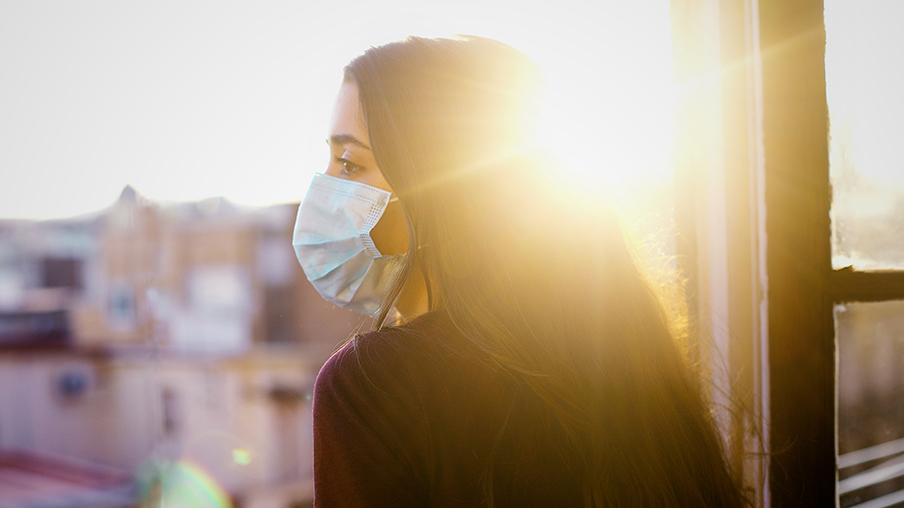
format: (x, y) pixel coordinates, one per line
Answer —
(348, 167)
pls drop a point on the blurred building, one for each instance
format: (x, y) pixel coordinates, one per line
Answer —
(177, 344)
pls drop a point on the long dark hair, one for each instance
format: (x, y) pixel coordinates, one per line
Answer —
(542, 283)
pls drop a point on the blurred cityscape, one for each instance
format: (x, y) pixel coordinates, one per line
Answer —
(157, 355)
(164, 355)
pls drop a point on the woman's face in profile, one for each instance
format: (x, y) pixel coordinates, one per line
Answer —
(351, 159)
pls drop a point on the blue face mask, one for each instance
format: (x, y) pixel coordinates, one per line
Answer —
(333, 244)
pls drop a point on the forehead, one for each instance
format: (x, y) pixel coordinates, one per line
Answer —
(348, 119)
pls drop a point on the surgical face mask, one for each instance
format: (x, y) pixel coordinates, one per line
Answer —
(333, 244)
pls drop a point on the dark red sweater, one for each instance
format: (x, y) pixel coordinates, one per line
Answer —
(409, 417)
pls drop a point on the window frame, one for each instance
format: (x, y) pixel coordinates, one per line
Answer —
(753, 210)
(803, 287)
(798, 199)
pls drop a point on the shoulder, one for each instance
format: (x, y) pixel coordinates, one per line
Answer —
(396, 410)
(371, 437)
(427, 336)
(388, 362)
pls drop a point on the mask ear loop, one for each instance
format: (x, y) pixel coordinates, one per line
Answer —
(420, 267)
(392, 312)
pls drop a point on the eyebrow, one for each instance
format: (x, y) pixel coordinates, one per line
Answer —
(346, 139)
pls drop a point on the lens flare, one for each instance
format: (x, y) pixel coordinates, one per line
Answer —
(241, 457)
(183, 484)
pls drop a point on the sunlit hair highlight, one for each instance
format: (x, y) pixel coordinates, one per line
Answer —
(541, 283)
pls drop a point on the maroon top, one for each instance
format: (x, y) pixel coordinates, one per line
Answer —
(409, 417)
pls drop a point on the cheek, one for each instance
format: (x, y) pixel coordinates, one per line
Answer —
(390, 235)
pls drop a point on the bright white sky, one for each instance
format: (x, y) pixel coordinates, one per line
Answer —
(864, 78)
(186, 100)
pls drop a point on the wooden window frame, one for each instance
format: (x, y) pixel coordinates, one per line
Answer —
(757, 251)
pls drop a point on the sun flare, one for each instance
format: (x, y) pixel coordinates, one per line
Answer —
(238, 108)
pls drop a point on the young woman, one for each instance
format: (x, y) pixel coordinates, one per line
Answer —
(521, 357)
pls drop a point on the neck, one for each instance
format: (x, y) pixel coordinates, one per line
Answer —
(413, 301)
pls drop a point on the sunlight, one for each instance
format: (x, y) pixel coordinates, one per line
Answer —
(237, 105)
(863, 82)
(608, 113)
(610, 136)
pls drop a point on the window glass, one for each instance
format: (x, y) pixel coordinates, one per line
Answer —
(864, 79)
(870, 342)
